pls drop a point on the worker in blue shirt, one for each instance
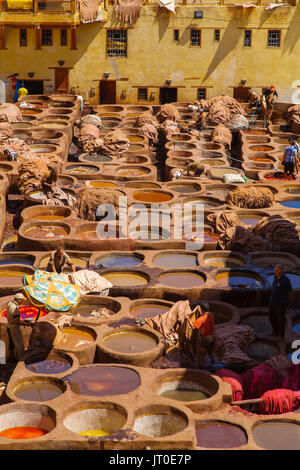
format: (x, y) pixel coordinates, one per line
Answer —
(280, 292)
(290, 159)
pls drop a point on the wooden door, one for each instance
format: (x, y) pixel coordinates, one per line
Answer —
(108, 91)
(167, 95)
(62, 80)
(240, 93)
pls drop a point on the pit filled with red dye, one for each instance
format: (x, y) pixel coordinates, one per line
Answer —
(23, 432)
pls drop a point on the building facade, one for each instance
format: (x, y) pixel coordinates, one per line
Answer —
(203, 50)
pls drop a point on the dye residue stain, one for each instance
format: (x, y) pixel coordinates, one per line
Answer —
(51, 365)
(277, 435)
(148, 310)
(23, 432)
(181, 280)
(103, 380)
(37, 391)
(73, 338)
(185, 395)
(129, 342)
(219, 435)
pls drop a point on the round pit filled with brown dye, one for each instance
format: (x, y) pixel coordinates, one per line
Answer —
(160, 421)
(74, 338)
(126, 278)
(143, 185)
(153, 196)
(132, 171)
(47, 231)
(261, 148)
(219, 435)
(133, 159)
(149, 308)
(100, 380)
(39, 389)
(130, 341)
(185, 188)
(277, 435)
(182, 279)
(96, 420)
(220, 260)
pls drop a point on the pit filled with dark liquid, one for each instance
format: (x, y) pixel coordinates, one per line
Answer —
(52, 365)
(38, 391)
(294, 203)
(219, 435)
(103, 380)
(130, 342)
(239, 279)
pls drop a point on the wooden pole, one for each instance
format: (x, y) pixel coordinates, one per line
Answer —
(38, 37)
(2, 37)
(73, 37)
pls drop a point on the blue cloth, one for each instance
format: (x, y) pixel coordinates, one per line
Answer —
(290, 153)
(18, 86)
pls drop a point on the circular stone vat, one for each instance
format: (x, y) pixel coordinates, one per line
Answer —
(120, 261)
(46, 213)
(211, 162)
(261, 148)
(129, 341)
(269, 259)
(220, 191)
(142, 185)
(291, 189)
(126, 278)
(74, 338)
(182, 279)
(160, 421)
(133, 159)
(149, 308)
(111, 307)
(102, 184)
(5, 167)
(100, 380)
(96, 420)
(262, 350)
(149, 234)
(26, 421)
(132, 171)
(208, 202)
(27, 312)
(47, 231)
(223, 260)
(152, 196)
(186, 386)
(185, 188)
(61, 104)
(53, 364)
(277, 435)
(53, 124)
(260, 323)
(209, 146)
(21, 134)
(219, 435)
(39, 389)
(42, 148)
(239, 279)
(179, 137)
(110, 109)
(21, 125)
(255, 131)
(81, 169)
(94, 158)
(250, 217)
(28, 260)
(175, 260)
(291, 203)
(61, 110)
(13, 274)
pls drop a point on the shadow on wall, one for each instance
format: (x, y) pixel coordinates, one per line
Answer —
(293, 33)
(230, 39)
(163, 19)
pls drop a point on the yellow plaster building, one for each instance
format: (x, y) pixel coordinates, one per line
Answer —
(203, 50)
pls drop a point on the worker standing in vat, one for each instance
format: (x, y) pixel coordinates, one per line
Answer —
(57, 261)
(268, 98)
(15, 346)
(280, 293)
(290, 160)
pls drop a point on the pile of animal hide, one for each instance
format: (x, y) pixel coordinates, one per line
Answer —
(10, 112)
(128, 11)
(251, 197)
